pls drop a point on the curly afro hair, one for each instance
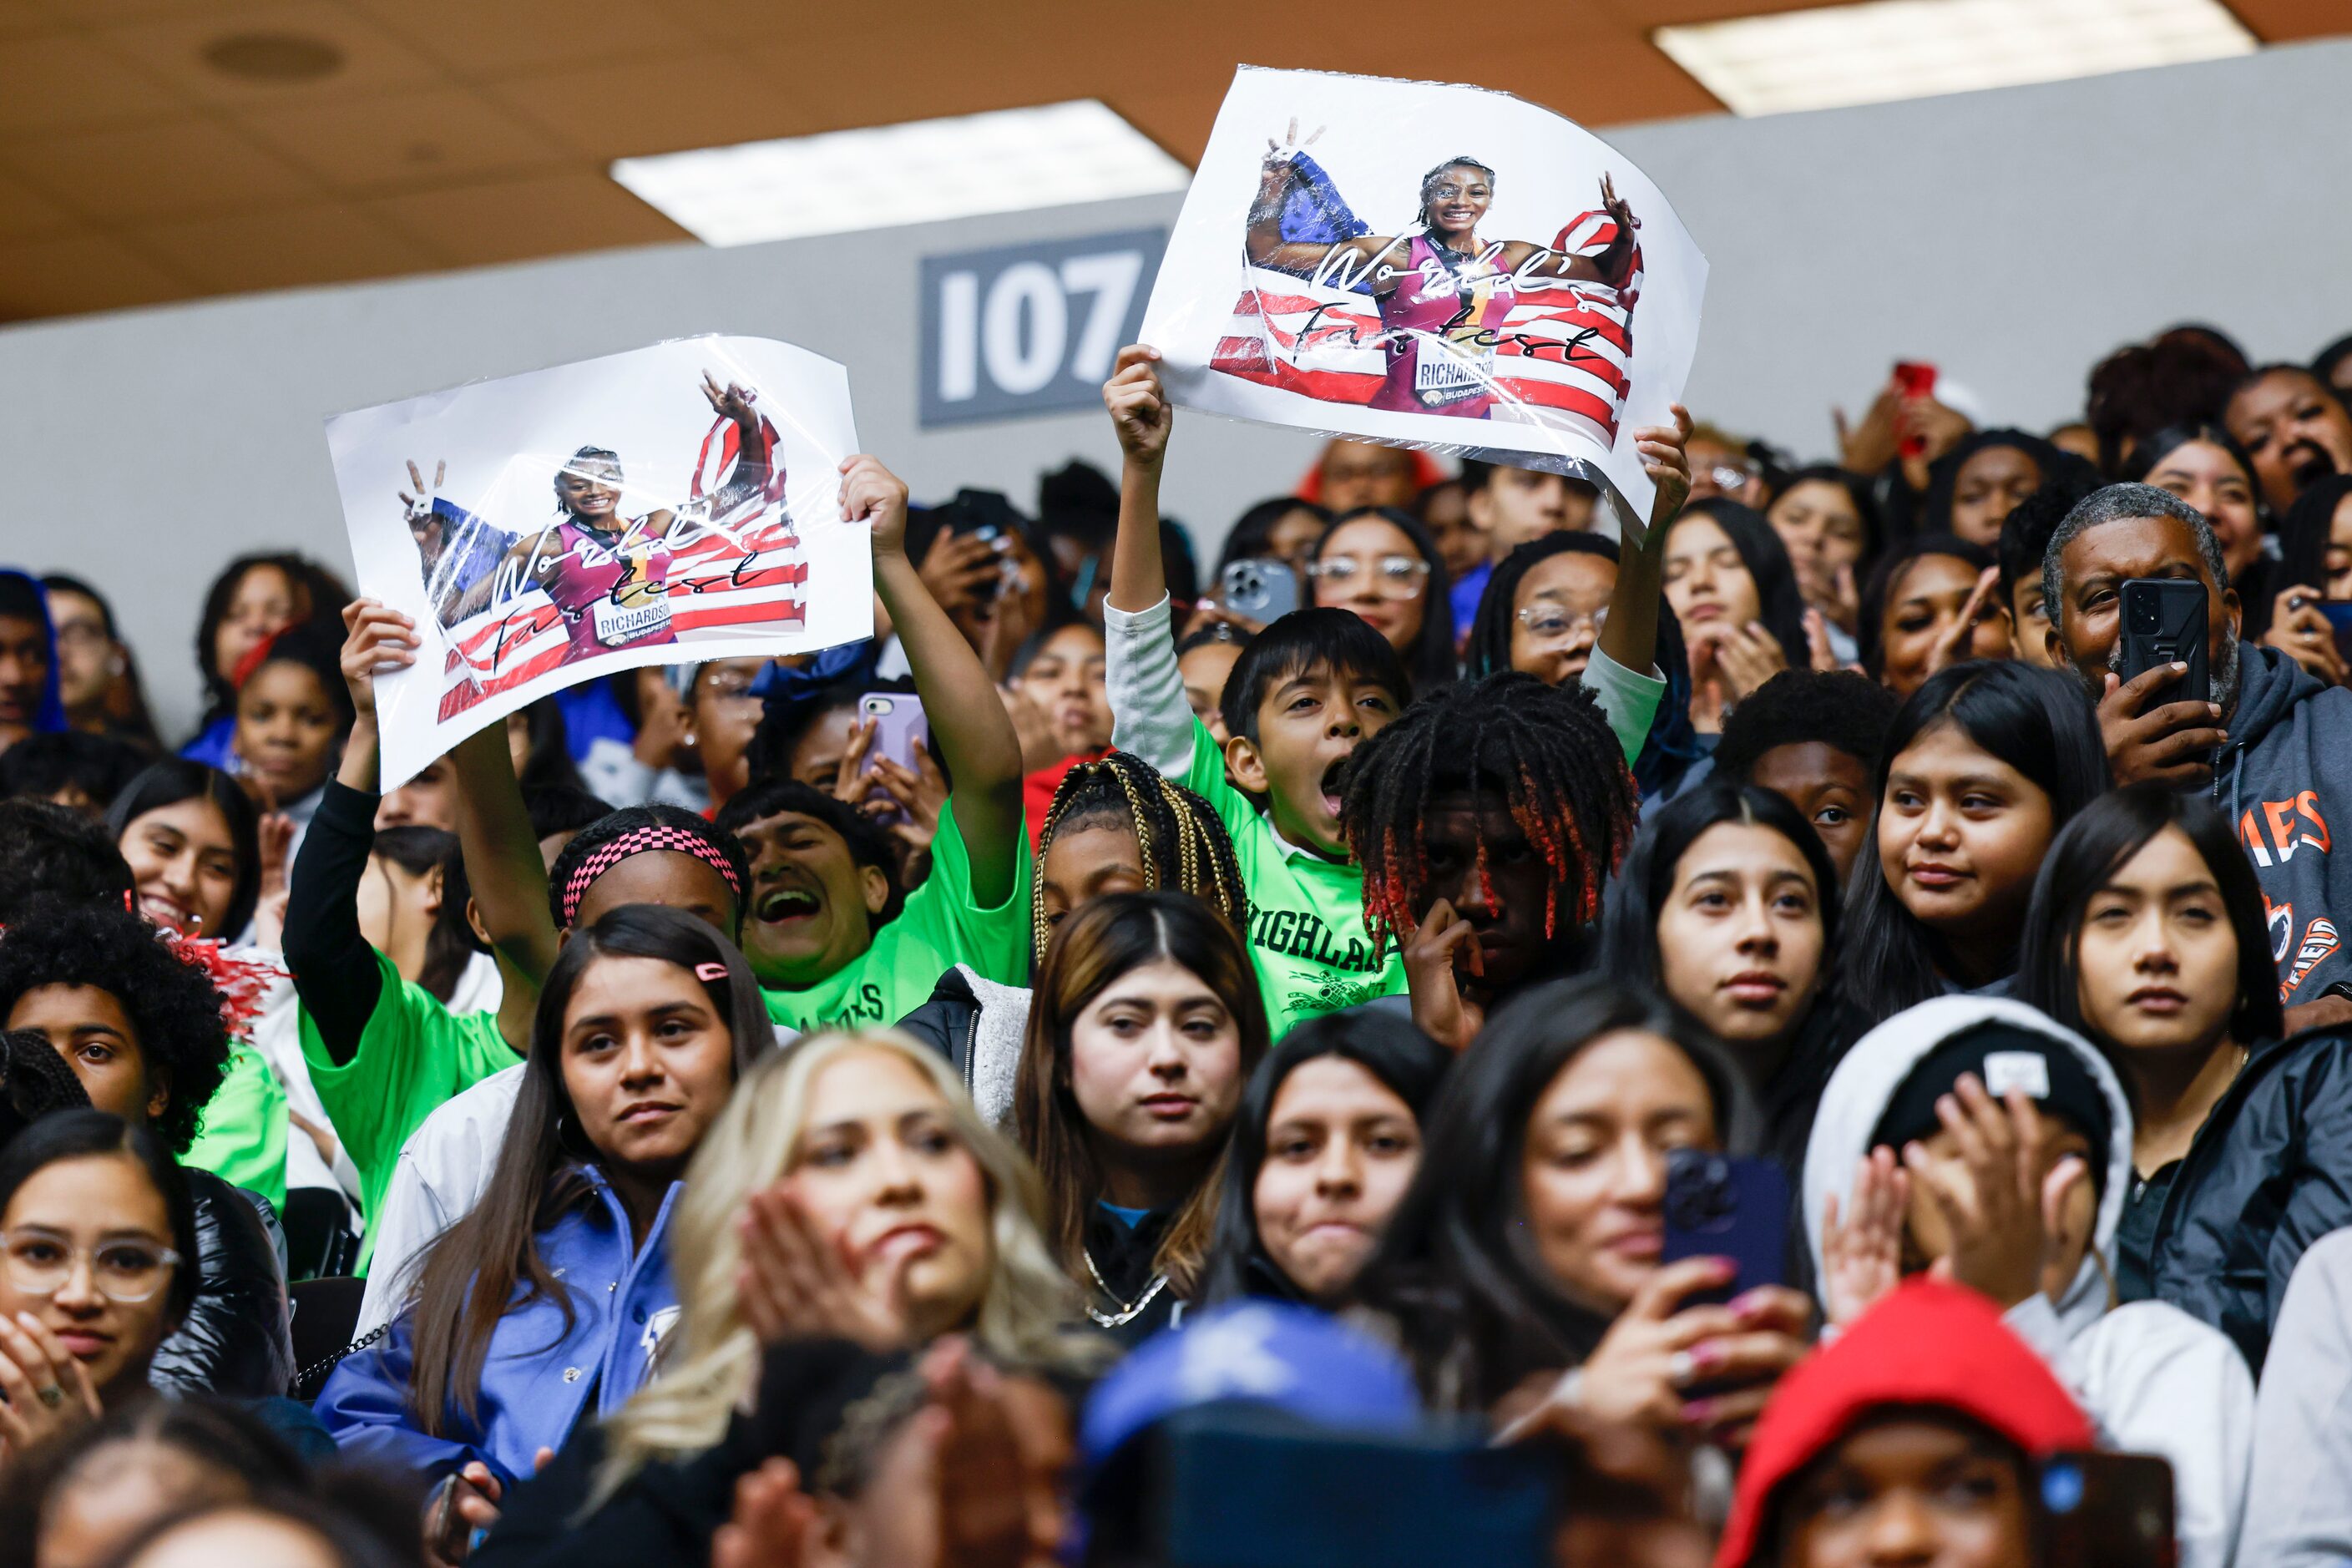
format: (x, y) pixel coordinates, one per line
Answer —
(170, 1000)
(1837, 707)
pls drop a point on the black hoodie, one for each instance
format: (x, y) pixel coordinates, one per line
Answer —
(2285, 781)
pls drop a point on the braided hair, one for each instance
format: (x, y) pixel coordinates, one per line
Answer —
(1180, 842)
(1547, 750)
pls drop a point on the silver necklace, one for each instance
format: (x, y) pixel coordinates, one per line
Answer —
(1126, 1314)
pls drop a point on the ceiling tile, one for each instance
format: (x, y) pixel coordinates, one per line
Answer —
(78, 272)
(20, 17)
(191, 164)
(661, 105)
(57, 83)
(432, 136)
(486, 37)
(25, 213)
(174, 48)
(510, 220)
(283, 247)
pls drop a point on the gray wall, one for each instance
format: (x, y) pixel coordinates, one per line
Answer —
(2011, 236)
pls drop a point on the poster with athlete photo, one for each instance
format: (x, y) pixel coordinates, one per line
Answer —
(1428, 266)
(667, 505)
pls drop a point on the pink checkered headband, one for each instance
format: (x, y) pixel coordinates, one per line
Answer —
(640, 841)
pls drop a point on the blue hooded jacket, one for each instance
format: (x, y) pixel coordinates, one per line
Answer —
(49, 717)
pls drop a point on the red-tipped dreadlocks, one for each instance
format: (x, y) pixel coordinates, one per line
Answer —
(1548, 751)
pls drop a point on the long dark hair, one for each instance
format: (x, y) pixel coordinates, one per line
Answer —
(1857, 490)
(1456, 1270)
(175, 779)
(1253, 531)
(450, 945)
(1781, 605)
(1430, 659)
(2034, 720)
(1672, 745)
(2303, 535)
(81, 1134)
(1870, 628)
(1384, 1044)
(1640, 891)
(2087, 856)
(466, 1282)
(1103, 940)
(1943, 475)
(316, 593)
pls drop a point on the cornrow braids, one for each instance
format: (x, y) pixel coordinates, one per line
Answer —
(1181, 843)
(1547, 750)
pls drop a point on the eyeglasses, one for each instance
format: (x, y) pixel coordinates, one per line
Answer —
(732, 685)
(1728, 478)
(1551, 623)
(39, 1262)
(80, 634)
(1397, 577)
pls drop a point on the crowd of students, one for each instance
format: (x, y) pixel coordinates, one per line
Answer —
(763, 1140)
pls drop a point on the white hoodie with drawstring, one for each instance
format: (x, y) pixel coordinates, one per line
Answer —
(2152, 1379)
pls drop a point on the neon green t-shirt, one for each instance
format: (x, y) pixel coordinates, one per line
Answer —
(940, 926)
(1307, 940)
(242, 1137)
(1307, 936)
(413, 1055)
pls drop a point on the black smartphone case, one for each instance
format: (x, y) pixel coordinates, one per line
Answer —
(2164, 622)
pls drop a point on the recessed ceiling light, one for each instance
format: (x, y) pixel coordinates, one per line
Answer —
(916, 172)
(273, 56)
(1888, 49)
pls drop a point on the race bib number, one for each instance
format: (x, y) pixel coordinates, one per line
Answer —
(619, 624)
(1443, 374)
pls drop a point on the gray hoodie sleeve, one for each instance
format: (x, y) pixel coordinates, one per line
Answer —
(1150, 715)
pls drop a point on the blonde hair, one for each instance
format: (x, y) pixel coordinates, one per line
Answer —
(711, 1363)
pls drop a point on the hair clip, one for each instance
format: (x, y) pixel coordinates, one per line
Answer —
(712, 970)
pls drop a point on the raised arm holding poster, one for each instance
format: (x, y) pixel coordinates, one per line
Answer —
(1477, 296)
(673, 503)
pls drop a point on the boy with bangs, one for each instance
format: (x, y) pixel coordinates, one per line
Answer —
(1313, 686)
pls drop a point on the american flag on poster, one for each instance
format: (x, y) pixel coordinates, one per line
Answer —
(1429, 265)
(670, 505)
(1550, 351)
(734, 561)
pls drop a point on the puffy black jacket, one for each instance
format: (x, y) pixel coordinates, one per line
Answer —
(237, 1339)
(2268, 1174)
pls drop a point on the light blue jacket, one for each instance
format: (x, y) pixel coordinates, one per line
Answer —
(537, 1380)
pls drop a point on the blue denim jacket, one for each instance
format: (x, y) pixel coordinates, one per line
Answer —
(537, 1380)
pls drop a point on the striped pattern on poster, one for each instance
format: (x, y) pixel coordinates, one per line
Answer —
(1562, 350)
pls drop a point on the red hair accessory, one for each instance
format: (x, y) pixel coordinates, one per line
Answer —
(712, 970)
(255, 657)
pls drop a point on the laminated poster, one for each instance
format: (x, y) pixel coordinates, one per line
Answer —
(1429, 265)
(664, 506)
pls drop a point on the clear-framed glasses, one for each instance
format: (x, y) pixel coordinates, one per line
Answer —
(732, 685)
(1551, 623)
(1396, 576)
(80, 635)
(1728, 478)
(125, 1268)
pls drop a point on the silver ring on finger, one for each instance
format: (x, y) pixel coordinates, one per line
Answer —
(1682, 1369)
(51, 1396)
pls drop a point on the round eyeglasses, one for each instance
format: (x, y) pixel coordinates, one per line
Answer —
(39, 1262)
(1550, 623)
(1395, 576)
